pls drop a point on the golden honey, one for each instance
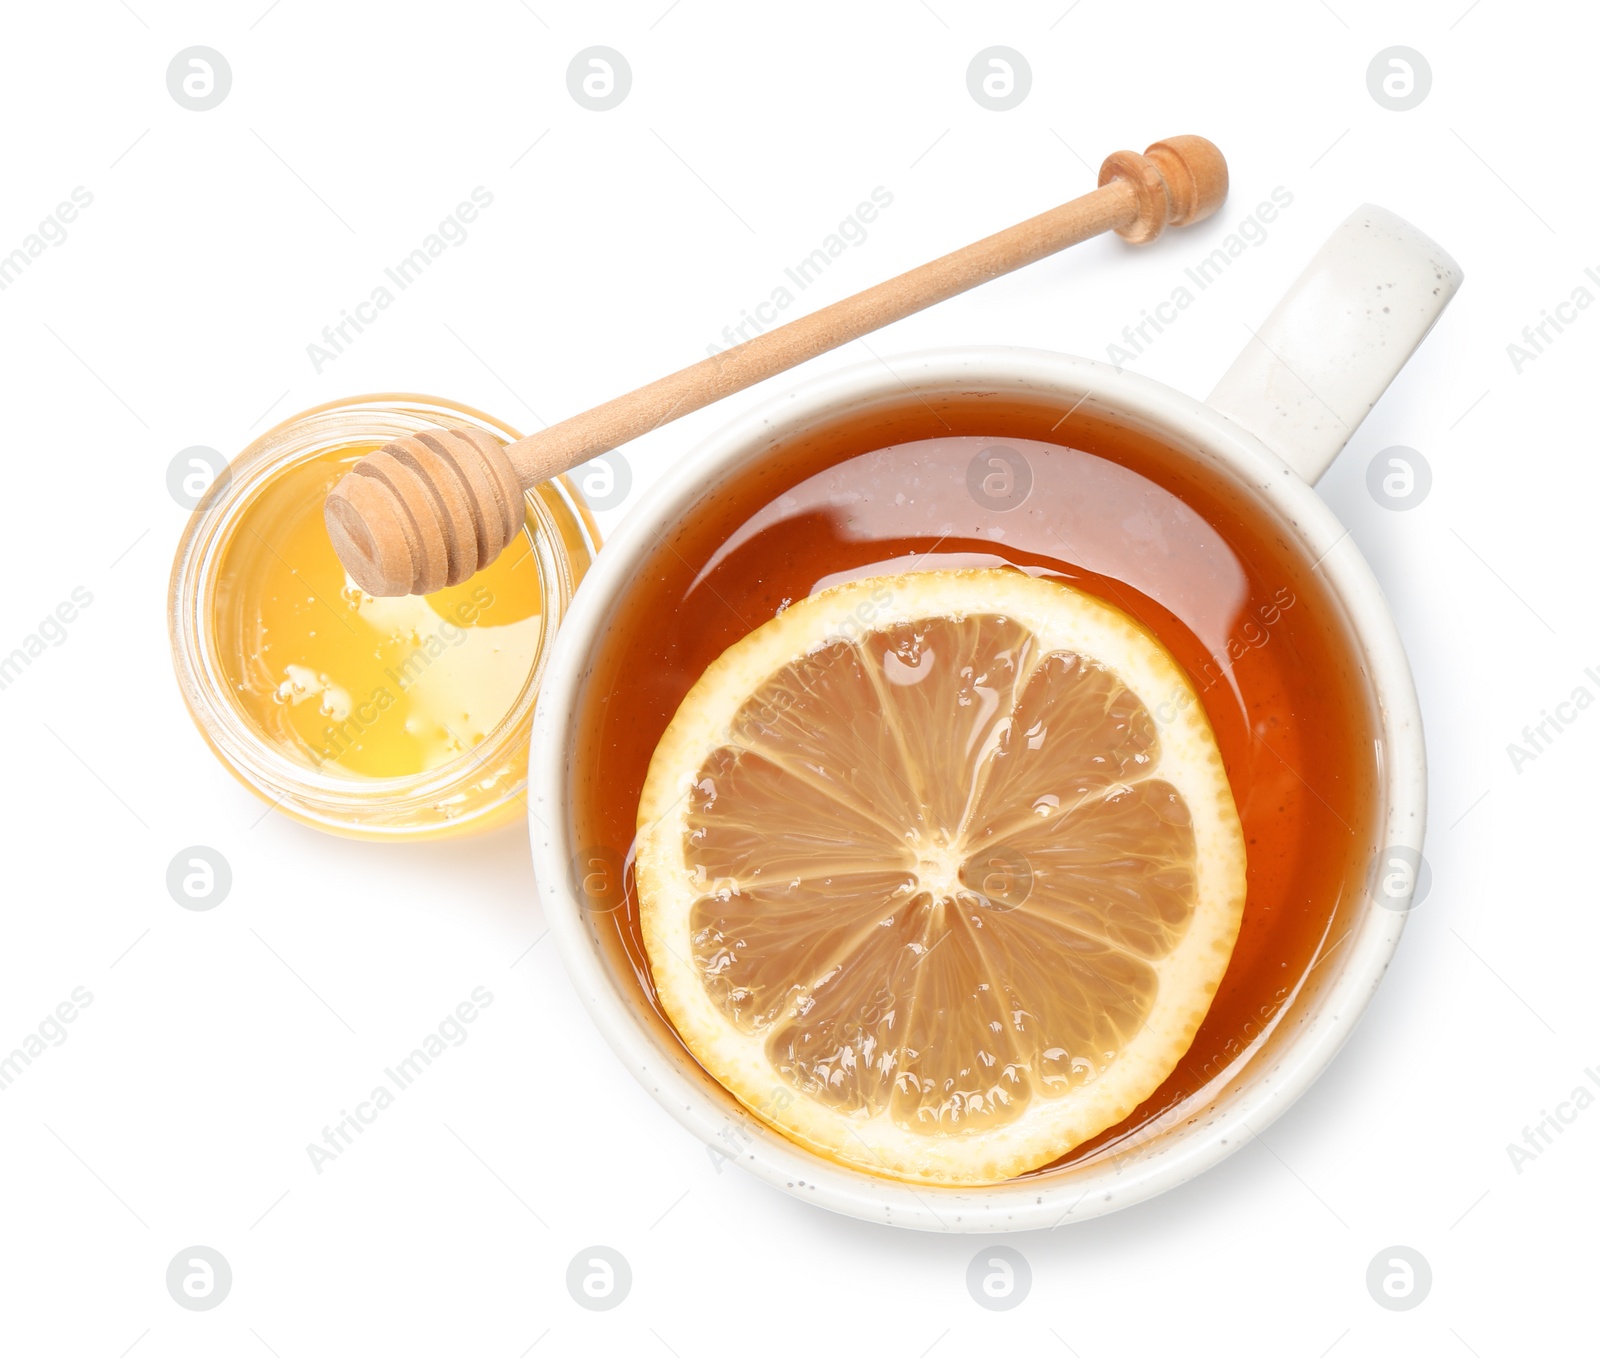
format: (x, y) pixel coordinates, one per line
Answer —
(355, 685)
(399, 718)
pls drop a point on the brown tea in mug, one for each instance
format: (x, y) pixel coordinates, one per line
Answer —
(973, 480)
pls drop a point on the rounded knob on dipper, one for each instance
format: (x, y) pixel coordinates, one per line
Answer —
(1176, 181)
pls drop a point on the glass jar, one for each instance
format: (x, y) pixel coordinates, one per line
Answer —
(481, 787)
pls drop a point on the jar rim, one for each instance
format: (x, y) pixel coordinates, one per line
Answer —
(395, 806)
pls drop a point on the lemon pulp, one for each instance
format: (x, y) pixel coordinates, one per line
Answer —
(939, 872)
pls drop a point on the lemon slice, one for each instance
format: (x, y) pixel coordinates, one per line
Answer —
(938, 872)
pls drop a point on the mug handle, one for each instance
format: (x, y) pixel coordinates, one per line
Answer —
(1331, 347)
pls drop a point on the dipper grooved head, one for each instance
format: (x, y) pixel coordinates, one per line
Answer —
(425, 511)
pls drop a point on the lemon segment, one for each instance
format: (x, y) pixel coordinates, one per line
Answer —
(939, 872)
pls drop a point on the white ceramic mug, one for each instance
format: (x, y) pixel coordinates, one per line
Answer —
(1274, 424)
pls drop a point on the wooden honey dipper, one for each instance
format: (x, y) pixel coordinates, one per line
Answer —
(430, 509)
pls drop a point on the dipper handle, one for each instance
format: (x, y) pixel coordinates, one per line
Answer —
(429, 510)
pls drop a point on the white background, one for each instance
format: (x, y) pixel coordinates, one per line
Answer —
(218, 1044)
